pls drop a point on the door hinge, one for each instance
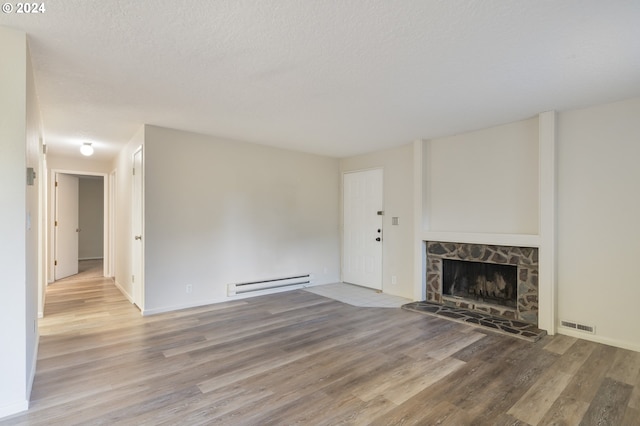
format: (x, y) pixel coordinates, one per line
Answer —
(55, 263)
(134, 171)
(56, 223)
(133, 278)
(56, 184)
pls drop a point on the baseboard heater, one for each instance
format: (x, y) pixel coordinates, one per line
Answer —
(295, 281)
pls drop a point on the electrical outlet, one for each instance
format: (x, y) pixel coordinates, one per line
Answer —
(325, 270)
(189, 288)
(394, 281)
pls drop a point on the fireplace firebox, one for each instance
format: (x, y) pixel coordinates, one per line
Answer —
(487, 282)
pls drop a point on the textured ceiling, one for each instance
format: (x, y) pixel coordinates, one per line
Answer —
(332, 77)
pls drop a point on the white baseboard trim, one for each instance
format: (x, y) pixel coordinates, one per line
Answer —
(91, 258)
(123, 291)
(188, 305)
(34, 361)
(165, 309)
(12, 408)
(44, 301)
(598, 339)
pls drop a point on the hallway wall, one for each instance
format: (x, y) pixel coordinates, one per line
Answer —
(91, 217)
(21, 135)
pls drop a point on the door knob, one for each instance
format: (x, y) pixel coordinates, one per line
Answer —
(138, 237)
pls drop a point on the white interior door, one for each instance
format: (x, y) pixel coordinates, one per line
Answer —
(137, 227)
(362, 251)
(66, 226)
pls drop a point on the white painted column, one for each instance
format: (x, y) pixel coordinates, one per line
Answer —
(419, 263)
(547, 292)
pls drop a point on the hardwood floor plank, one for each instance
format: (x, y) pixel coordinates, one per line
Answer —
(631, 417)
(459, 382)
(540, 397)
(565, 411)
(445, 350)
(519, 371)
(626, 367)
(480, 348)
(560, 344)
(201, 408)
(634, 401)
(587, 380)
(398, 373)
(609, 405)
(442, 413)
(355, 412)
(574, 357)
(502, 420)
(403, 390)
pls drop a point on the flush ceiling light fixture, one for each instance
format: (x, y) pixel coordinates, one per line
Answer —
(86, 149)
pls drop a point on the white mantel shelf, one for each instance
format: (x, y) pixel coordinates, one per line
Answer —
(513, 240)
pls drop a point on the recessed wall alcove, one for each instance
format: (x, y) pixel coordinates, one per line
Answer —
(490, 191)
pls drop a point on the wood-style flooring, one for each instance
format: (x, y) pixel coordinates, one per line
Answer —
(299, 358)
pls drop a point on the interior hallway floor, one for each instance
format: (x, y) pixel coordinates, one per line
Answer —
(87, 269)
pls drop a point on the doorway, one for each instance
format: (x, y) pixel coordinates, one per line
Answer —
(79, 219)
(66, 226)
(362, 235)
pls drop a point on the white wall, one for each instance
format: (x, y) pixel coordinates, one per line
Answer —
(397, 248)
(598, 221)
(220, 212)
(123, 165)
(20, 133)
(484, 181)
(91, 217)
(79, 165)
(35, 262)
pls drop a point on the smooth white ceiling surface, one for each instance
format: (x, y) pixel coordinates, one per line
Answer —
(332, 77)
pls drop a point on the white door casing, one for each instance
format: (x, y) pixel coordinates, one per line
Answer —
(66, 226)
(137, 213)
(362, 238)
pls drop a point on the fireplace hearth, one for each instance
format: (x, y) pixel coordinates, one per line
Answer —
(497, 280)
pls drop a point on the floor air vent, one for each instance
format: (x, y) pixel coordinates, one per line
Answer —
(286, 283)
(579, 327)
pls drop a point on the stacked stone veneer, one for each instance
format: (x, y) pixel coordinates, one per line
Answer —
(525, 258)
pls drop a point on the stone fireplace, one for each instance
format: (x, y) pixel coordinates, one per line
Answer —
(498, 280)
(490, 283)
